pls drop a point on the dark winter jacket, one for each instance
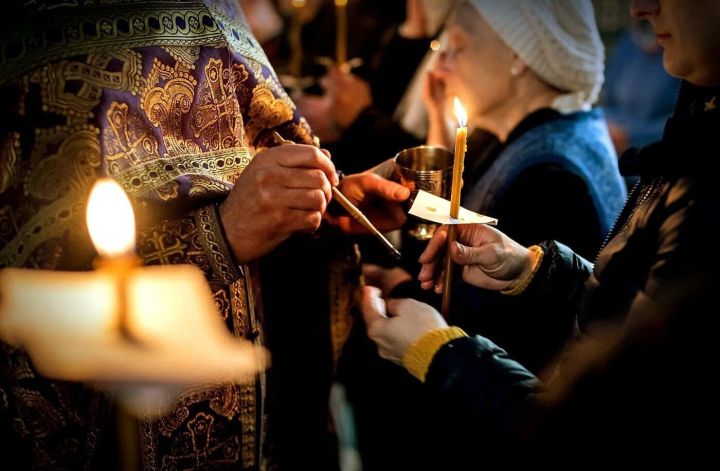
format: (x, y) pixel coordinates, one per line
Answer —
(636, 379)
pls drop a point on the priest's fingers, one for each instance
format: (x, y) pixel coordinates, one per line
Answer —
(312, 178)
(304, 198)
(304, 156)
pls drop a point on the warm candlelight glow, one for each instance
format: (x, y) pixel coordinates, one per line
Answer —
(460, 113)
(110, 219)
(340, 3)
(144, 333)
(298, 3)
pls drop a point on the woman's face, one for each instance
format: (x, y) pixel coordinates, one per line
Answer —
(689, 33)
(476, 64)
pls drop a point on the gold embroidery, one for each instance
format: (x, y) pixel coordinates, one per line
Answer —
(162, 248)
(255, 396)
(127, 138)
(8, 156)
(203, 187)
(240, 325)
(222, 302)
(188, 55)
(266, 111)
(226, 401)
(218, 120)
(73, 89)
(65, 176)
(129, 141)
(224, 165)
(65, 159)
(165, 105)
(213, 244)
(167, 99)
(248, 412)
(55, 35)
(69, 171)
(303, 133)
(270, 105)
(198, 439)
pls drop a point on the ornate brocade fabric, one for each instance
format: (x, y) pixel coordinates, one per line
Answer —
(171, 99)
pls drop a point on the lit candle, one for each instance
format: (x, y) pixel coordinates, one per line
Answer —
(296, 38)
(68, 322)
(458, 164)
(341, 32)
(111, 224)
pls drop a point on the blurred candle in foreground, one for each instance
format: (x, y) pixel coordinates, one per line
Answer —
(458, 164)
(140, 332)
(340, 32)
(111, 224)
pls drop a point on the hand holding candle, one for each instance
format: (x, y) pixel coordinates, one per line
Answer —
(459, 162)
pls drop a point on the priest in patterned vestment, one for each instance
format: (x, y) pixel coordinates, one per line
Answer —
(177, 102)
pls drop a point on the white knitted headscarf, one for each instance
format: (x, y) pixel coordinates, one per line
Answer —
(557, 39)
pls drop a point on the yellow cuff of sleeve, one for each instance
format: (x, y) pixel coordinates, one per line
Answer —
(418, 357)
(523, 284)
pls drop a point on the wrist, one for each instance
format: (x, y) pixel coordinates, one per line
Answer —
(533, 261)
(235, 258)
(419, 355)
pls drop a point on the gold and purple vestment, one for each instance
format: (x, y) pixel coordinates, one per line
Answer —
(172, 99)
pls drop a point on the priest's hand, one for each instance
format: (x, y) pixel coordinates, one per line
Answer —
(284, 190)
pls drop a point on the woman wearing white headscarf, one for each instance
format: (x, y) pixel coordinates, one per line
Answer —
(528, 73)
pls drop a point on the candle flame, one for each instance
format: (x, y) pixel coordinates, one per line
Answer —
(460, 113)
(110, 219)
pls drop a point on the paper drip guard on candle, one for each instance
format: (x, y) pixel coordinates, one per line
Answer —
(436, 209)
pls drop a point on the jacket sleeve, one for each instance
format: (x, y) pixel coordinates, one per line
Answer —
(483, 384)
(555, 293)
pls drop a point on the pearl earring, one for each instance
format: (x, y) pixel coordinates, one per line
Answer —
(514, 71)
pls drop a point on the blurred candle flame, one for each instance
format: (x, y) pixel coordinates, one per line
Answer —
(110, 219)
